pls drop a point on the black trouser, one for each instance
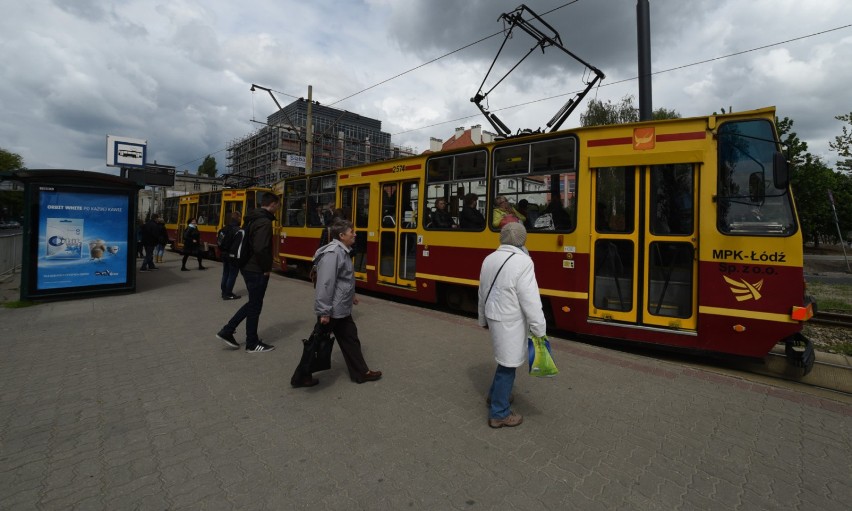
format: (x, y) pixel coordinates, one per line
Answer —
(196, 253)
(256, 284)
(346, 332)
(148, 262)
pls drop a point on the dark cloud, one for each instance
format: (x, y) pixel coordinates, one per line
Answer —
(601, 32)
(92, 10)
(178, 73)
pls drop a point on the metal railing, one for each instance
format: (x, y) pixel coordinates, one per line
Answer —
(11, 249)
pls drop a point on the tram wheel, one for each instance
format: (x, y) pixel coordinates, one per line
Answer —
(800, 352)
(461, 299)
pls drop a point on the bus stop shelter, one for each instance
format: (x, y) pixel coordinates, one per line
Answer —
(78, 234)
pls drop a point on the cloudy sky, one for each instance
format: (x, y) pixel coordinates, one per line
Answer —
(177, 73)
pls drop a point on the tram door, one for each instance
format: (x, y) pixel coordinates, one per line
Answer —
(644, 245)
(355, 203)
(397, 235)
(186, 211)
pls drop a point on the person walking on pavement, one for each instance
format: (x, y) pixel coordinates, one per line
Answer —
(150, 237)
(162, 240)
(510, 307)
(229, 267)
(335, 296)
(258, 226)
(191, 245)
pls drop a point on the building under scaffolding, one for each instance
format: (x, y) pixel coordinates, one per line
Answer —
(278, 150)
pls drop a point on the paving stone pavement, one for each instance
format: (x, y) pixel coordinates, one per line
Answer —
(130, 402)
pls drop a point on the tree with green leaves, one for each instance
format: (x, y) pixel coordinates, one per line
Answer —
(10, 160)
(843, 144)
(11, 201)
(208, 167)
(810, 179)
(599, 113)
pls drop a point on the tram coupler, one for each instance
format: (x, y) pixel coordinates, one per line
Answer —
(800, 352)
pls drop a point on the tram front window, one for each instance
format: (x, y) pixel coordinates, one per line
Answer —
(748, 202)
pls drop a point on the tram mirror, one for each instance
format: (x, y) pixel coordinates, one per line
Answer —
(756, 191)
(780, 171)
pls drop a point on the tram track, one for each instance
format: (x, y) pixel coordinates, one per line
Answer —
(834, 319)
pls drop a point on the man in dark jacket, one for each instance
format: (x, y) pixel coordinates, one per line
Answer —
(441, 218)
(229, 268)
(150, 237)
(258, 225)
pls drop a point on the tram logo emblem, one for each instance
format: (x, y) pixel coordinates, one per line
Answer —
(643, 138)
(743, 290)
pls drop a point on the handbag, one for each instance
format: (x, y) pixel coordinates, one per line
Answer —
(323, 345)
(541, 358)
(316, 353)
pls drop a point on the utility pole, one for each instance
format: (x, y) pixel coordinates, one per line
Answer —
(309, 135)
(839, 233)
(643, 31)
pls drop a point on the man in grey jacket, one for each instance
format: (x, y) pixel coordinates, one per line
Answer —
(335, 296)
(258, 226)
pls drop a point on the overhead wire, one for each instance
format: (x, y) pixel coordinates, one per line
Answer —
(684, 66)
(499, 32)
(676, 68)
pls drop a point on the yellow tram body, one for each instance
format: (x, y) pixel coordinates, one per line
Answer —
(679, 232)
(211, 210)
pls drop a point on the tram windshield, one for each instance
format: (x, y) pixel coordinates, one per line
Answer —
(748, 202)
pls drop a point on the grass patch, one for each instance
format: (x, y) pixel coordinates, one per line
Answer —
(830, 304)
(844, 348)
(836, 297)
(18, 304)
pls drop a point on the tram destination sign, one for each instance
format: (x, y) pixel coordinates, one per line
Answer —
(151, 174)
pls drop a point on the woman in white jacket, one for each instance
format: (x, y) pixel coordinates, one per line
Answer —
(510, 307)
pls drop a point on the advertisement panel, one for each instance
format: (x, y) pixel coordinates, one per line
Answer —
(82, 239)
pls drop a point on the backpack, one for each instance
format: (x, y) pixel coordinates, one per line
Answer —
(224, 238)
(239, 249)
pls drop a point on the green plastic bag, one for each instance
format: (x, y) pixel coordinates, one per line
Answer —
(541, 359)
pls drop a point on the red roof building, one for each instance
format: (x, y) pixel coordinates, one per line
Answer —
(462, 138)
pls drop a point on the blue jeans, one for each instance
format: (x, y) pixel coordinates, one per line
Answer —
(256, 283)
(229, 277)
(501, 389)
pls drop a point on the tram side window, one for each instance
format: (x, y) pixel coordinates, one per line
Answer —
(455, 192)
(362, 207)
(321, 200)
(347, 202)
(203, 213)
(215, 208)
(170, 208)
(231, 206)
(296, 193)
(535, 184)
(614, 210)
(748, 203)
(362, 219)
(672, 190)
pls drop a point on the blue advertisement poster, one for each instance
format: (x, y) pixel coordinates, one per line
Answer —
(82, 239)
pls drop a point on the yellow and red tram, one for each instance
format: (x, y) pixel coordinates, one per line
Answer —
(211, 211)
(678, 232)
